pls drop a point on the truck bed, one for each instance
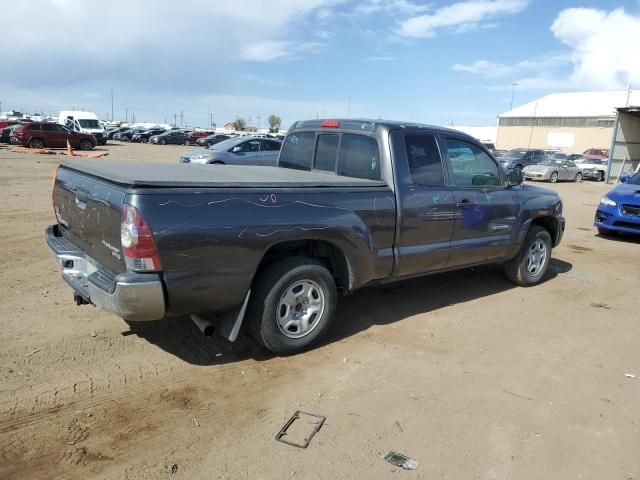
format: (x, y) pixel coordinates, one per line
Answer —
(236, 176)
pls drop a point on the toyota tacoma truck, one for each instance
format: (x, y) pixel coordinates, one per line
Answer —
(268, 250)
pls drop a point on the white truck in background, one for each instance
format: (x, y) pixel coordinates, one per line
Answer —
(84, 122)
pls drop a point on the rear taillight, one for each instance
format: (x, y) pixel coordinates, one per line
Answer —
(330, 124)
(138, 247)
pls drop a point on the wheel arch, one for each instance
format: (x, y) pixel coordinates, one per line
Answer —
(326, 252)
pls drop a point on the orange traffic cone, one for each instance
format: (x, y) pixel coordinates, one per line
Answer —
(69, 149)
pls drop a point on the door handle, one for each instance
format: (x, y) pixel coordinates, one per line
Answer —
(465, 203)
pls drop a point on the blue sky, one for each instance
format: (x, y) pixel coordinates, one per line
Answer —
(438, 62)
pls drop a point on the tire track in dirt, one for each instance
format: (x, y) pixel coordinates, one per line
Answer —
(89, 429)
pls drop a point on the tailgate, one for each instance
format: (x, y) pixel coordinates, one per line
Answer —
(88, 213)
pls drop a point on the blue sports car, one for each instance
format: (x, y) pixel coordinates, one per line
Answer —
(619, 210)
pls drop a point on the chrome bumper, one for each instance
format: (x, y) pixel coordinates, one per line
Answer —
(132, 296)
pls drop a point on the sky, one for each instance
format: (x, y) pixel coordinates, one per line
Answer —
(440, 62)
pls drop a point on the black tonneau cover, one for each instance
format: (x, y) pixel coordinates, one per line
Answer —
(186, 175)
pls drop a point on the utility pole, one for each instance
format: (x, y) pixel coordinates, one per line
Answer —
(175, 119)
(112, 104)
(211, 120)
(513, 92)
(126, 115)
(259, 118)
(181, 118)
(348, 107)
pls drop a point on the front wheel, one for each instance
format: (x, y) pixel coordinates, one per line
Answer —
(163, 142)
(554, 177)
(186, 142)
(578, 177)
(85, 145)
(292, 305)
(599, 176)
(530, 265)
(36, 143)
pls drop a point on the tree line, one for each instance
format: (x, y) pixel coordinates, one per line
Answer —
(274, 124)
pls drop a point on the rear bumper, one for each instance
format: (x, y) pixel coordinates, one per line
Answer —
(132, 296)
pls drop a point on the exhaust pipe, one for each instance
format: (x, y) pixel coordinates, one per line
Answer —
(205, 326)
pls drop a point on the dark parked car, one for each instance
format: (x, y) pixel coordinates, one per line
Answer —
(212, 139)
(127, 135)
(521, 157)
(52, 135)
(113, 131)
(176, 137)
(269, 249)
(143, 137)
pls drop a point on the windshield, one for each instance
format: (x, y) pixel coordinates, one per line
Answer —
(227, 144)
(89, 123)
(517, 153)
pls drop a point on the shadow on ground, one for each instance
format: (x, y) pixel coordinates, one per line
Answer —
(380, 305)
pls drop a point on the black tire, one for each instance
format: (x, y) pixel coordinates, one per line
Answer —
(186, 142)
(208, 144)
(517, 269)
(163, 142)
(605, 232)
(269, 288)
(599, 176)
(85, 145)
(578, 178)
(36, 143)
(554, 177)
(144, 140)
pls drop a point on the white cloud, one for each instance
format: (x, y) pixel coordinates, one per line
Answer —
(380, 58)
(394, 7)
(72, 41)
(461, 16)
(604, 46)
(490, 69)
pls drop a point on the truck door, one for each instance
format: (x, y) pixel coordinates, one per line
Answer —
(486, 208)
(425, 219)
(269, 151)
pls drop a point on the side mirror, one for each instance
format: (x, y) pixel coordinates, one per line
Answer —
(515, 177)
(625, 178)
(236, 149)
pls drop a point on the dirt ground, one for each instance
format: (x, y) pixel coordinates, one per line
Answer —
(470, 376)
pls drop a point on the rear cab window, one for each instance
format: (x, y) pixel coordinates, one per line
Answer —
(345, 154)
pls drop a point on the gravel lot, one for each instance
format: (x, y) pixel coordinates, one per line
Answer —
(469, 375)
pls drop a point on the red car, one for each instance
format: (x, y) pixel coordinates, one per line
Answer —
(194, 136)
(52, 135)
(596, 153)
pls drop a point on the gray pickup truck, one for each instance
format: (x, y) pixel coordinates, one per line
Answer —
(269, 249)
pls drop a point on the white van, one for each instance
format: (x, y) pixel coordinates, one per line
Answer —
(84, 122)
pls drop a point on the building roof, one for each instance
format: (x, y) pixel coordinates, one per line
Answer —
(577, 104)
(487, 134)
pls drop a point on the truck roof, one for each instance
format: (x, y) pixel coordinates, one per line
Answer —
(232, 176)
(367, 125)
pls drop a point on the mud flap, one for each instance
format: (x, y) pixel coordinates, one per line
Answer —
(229, 326)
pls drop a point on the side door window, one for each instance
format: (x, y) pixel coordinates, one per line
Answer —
(425, 164)
(471, 167)
(269, 152)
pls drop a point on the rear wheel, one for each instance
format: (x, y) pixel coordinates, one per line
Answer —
(578, 177)
(85, 145)
(554, 177)
(530, 265)
(163, 142)
(145, 140)
(208, 144)
(36, 143)
(292, 305)
(186, 142)
(599, 176)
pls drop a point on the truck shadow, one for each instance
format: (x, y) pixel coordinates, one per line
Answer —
(380, 305)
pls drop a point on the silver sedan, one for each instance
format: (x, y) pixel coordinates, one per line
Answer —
(553, 170)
